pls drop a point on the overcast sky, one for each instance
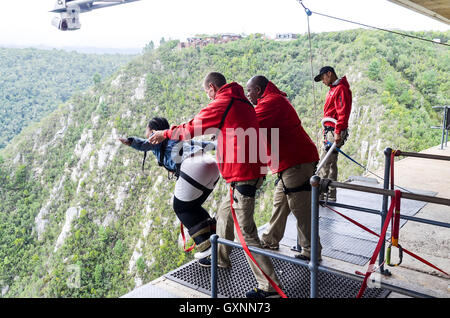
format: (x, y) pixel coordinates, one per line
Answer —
(28, 22)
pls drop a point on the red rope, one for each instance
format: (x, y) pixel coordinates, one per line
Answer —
(370, 270)
(184, 240)
(247, 251)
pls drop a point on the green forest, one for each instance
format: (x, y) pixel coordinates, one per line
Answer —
(34, 82)
(73, 201)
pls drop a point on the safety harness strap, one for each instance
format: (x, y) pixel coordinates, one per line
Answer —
(194, 183)
(304, 187)
(248, 190)
(210, 222)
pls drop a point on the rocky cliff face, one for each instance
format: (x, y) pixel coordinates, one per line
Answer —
(75, 205)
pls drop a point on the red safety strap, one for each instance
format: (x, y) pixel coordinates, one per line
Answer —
(382, 237)
(370, 269)
(392, 168)
(395, 226)
(353, 221)
(184, 240)
(424, 261)
(247, 251)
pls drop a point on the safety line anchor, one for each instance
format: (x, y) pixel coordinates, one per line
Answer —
(308, 12)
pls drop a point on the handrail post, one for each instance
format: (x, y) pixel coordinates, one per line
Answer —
(213, 240)
(384, 207)
(444, 127)
(447, 123)
(314, 263)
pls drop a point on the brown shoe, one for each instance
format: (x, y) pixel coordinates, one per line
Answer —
(306, 258)
(268, 246)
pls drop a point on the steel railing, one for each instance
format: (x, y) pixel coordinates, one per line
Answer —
(317, 187)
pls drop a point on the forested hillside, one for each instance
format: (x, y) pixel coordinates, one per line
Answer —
(78, 217)
(34, 82)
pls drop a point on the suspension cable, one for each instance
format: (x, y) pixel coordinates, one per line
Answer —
(309, 12)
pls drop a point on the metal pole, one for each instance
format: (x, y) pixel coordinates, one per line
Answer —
(446, 138)
(384, 206)
(422, 155)
(213, 240)
(329, 152)
(403, 217)
(313, 264)
(391, 193)
(444, 123)
(447, 125)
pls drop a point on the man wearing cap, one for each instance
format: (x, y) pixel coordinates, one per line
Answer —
(336, 112)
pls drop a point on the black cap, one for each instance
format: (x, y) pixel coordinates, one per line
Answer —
(322, 71)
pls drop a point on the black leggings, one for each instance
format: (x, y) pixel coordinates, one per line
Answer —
(192, 214)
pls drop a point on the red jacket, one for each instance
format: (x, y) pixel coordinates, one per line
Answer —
(238, 160)
(295, 146)
(338, 105)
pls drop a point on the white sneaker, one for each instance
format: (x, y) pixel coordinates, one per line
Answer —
(205, 253)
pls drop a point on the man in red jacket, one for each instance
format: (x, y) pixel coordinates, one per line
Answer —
(338, 106)
(293, 156)
(233, 119)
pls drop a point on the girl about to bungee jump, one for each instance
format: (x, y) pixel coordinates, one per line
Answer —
(197, 174)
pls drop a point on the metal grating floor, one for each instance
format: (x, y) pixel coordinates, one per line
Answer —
(235, 282)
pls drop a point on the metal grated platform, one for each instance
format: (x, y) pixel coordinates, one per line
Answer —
(295, 280)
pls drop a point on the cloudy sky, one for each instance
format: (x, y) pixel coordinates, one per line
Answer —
(28, 22)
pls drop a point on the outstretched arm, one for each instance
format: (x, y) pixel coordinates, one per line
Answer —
(137, 143)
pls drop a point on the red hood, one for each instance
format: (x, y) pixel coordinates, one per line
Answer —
(231, 90)
(272, 89)
(342, 81)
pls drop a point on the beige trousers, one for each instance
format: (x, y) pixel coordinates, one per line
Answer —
(299, 203)
(330, 169)
(244, 208)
